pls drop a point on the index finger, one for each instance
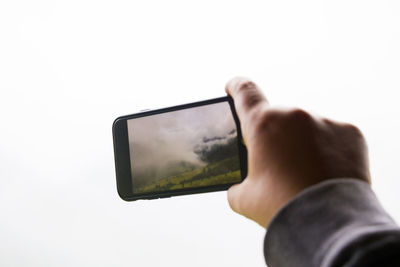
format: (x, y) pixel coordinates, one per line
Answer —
(246, 96)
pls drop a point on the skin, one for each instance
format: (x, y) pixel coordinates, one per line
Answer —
(288, 151)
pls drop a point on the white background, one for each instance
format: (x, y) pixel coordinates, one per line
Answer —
(68, 68)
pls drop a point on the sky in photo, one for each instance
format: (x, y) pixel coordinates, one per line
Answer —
(159, 140)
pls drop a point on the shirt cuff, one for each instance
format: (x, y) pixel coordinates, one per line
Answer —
(317, 225)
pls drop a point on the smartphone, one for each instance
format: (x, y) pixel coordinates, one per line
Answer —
(180, 150)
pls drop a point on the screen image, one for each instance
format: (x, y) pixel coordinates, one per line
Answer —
(189, 148)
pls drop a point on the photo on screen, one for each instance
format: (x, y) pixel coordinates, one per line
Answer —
(188, 148)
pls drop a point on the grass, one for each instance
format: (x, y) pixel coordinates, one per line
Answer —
(194, 178)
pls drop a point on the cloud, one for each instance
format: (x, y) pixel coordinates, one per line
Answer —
(160, 140)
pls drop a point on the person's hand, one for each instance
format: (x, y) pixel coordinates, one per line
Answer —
(288, 151)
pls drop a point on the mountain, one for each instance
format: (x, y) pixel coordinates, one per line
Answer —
(217, 148)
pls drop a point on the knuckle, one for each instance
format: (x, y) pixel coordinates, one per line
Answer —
(298, 114)
(265, 119)
(245, 85)
(354, 129)
(252, 99)
(249, 94)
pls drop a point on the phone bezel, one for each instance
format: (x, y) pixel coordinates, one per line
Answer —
(123, 162)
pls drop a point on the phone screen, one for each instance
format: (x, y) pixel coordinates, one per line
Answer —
(188, 148)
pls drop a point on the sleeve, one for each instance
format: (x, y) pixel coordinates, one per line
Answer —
(339, 222)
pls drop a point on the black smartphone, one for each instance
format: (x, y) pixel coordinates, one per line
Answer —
(185, 149)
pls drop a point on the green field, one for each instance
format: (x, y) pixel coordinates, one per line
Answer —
(223, 172)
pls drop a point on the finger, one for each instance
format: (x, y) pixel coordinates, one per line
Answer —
(246, 96)
(234, 197)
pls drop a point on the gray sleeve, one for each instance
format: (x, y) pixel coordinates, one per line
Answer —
(334, 223)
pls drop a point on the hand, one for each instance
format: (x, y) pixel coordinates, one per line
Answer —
(288, 151)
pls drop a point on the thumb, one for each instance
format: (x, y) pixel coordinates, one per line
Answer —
(234, 196)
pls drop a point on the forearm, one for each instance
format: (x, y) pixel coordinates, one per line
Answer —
(333, 223)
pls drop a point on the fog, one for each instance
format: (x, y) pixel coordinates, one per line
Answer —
(160, 141)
